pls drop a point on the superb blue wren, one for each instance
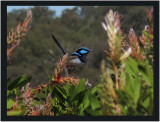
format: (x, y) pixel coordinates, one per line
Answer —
(76, 58)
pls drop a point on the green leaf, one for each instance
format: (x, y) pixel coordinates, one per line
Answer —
(79, 88)
(128, 69)
(35, 102)
(61, 100)
(9, 81)
(110, 71)
(79, 97)
(94, 112)
(81, 109)
(11, 94)
(19, 82)
(130, 85)
(151, 36)
(46, 91)
(133, 87)
(95, 103)
(53, 101)
(72, 90)
(95, 89)
(145, 33)
(146, 72)
(61, 91)
(146, 103)
(10, 104)
(133, 65)
(67, 87)
(137, 89)
(124, 97)
(60, 94)
(86, 100)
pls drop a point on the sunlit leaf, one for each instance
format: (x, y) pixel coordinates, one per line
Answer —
(10, 103)
(95, 103)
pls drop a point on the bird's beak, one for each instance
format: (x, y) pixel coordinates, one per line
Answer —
(90, 50)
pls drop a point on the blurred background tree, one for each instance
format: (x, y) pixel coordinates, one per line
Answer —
(38, 55)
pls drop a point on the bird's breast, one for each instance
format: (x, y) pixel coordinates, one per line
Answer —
(75, 61)
(74, 64)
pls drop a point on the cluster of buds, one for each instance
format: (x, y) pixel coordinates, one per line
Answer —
(71, 80)
(14, 38)
(38, 89)
(134, 45)
(112, 27)
(27, 99)
(45, 109)
(148, 30)
(115, 39)
(147, 37)
(34, 110)
(48, 105)
(57, 73)
(125, 44)
(59, 68)
(150, 17)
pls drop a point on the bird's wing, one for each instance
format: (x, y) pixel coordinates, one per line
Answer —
(71, 57)
(70, 62)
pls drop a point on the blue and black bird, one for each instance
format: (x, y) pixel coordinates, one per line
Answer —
(76, 58)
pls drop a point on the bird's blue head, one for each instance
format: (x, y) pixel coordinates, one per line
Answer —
(82, 51)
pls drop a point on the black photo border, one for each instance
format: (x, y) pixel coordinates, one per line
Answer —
(4, 5)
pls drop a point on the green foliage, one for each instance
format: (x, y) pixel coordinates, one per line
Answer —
(70, 99)
(79, 98)
(137, 96)
(13, 90)
(18, 82)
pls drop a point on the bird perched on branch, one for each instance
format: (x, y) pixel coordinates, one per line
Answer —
(76, 58)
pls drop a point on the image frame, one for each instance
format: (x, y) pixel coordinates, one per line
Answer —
(4, 5)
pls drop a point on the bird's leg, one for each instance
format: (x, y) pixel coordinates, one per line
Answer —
(66, 71)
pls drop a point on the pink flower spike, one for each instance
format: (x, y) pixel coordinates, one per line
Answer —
(22, 90)
(152, 13)
(15, 104)
(104, 26)
(49, 98)
(28, 90)
(29, 14)
(148, 14)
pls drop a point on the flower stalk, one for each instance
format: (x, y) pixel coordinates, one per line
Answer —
(14, 38)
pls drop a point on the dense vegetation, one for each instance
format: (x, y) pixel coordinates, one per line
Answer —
(120, 70)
